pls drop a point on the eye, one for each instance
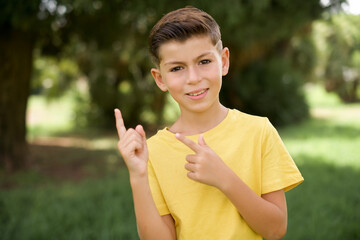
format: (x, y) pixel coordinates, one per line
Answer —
(205, 61)
(175, 69)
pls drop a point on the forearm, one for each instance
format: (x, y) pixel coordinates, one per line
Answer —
(133, 148)
(264, 217)
(150, 224)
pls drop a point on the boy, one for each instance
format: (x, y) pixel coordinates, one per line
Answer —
(216, 173)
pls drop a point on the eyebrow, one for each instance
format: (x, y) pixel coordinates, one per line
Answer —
(179, 62)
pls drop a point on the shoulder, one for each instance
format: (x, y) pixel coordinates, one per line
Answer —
(246, 120)
(162, 138)
(158, 136)
(250, 126)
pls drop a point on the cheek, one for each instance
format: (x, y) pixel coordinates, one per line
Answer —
(175, 89)
(213, 70)
(174, 83)
(216, 74)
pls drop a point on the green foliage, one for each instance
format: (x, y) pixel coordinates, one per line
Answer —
(16, 14)
(48, 118)
(52, 77)
(324, 206)
(256, 32)
(339, 49)
(271, 57)
(270, 88)
(268, 41)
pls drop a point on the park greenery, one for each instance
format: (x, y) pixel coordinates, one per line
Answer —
(80, 188)
(97, 50)
(65, 65)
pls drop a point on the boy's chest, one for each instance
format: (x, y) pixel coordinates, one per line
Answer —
(243, 158)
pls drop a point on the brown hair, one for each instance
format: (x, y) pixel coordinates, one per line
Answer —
(180, 25)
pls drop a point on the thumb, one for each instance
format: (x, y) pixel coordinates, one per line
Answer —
(201, 140)
(141, 131)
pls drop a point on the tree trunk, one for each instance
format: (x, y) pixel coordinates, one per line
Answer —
(16, 59)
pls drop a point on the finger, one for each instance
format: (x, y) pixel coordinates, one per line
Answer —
(191, 158)
(121, 130)
(131, 135)
(201, 140)
(190, 167)
(129, 150)
(192, 175)
(131, 143)
(141, 131)
(192, 145)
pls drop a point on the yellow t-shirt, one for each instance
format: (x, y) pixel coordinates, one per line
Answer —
(249, 145)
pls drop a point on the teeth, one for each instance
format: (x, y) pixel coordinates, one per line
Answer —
(198, 93)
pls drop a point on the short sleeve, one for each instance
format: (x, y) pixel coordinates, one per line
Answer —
(156, 191)
(279, 171)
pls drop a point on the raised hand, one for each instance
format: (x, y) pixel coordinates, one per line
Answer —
(205, 165)
(132, 146)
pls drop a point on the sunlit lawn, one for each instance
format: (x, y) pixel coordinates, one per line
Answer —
(327, 151)
(78, 187)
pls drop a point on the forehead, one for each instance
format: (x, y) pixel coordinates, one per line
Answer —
(181, 50)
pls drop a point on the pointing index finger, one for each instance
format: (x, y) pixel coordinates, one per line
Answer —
(121, 130)
(191, 144)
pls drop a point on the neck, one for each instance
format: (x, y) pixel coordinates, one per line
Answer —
(192, 123)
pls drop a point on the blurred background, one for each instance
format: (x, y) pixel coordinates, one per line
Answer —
(65, 65)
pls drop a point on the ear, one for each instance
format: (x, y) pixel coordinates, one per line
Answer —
(158, 79)
(225, 60)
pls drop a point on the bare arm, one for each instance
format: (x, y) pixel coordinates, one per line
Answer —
(266, 214)
(149, 222)
(132, 146)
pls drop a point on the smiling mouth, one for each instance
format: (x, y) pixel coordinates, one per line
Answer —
(197, 93)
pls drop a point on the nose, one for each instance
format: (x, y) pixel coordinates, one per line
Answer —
(194, 75)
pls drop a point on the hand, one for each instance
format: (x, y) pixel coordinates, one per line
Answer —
(132, 146)
(205, 165)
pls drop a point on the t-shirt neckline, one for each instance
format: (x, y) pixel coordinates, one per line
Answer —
(209, 132)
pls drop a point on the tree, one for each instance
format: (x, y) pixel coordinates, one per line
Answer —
(16, 47)
(108, 39)
(103, 37)
(15, 69)
(267, 45)
(266, 38)
(340, 51)
(25, 25)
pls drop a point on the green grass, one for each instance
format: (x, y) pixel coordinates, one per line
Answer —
(46, 203)
(327, 151)
(93, 209)
(327, 204)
